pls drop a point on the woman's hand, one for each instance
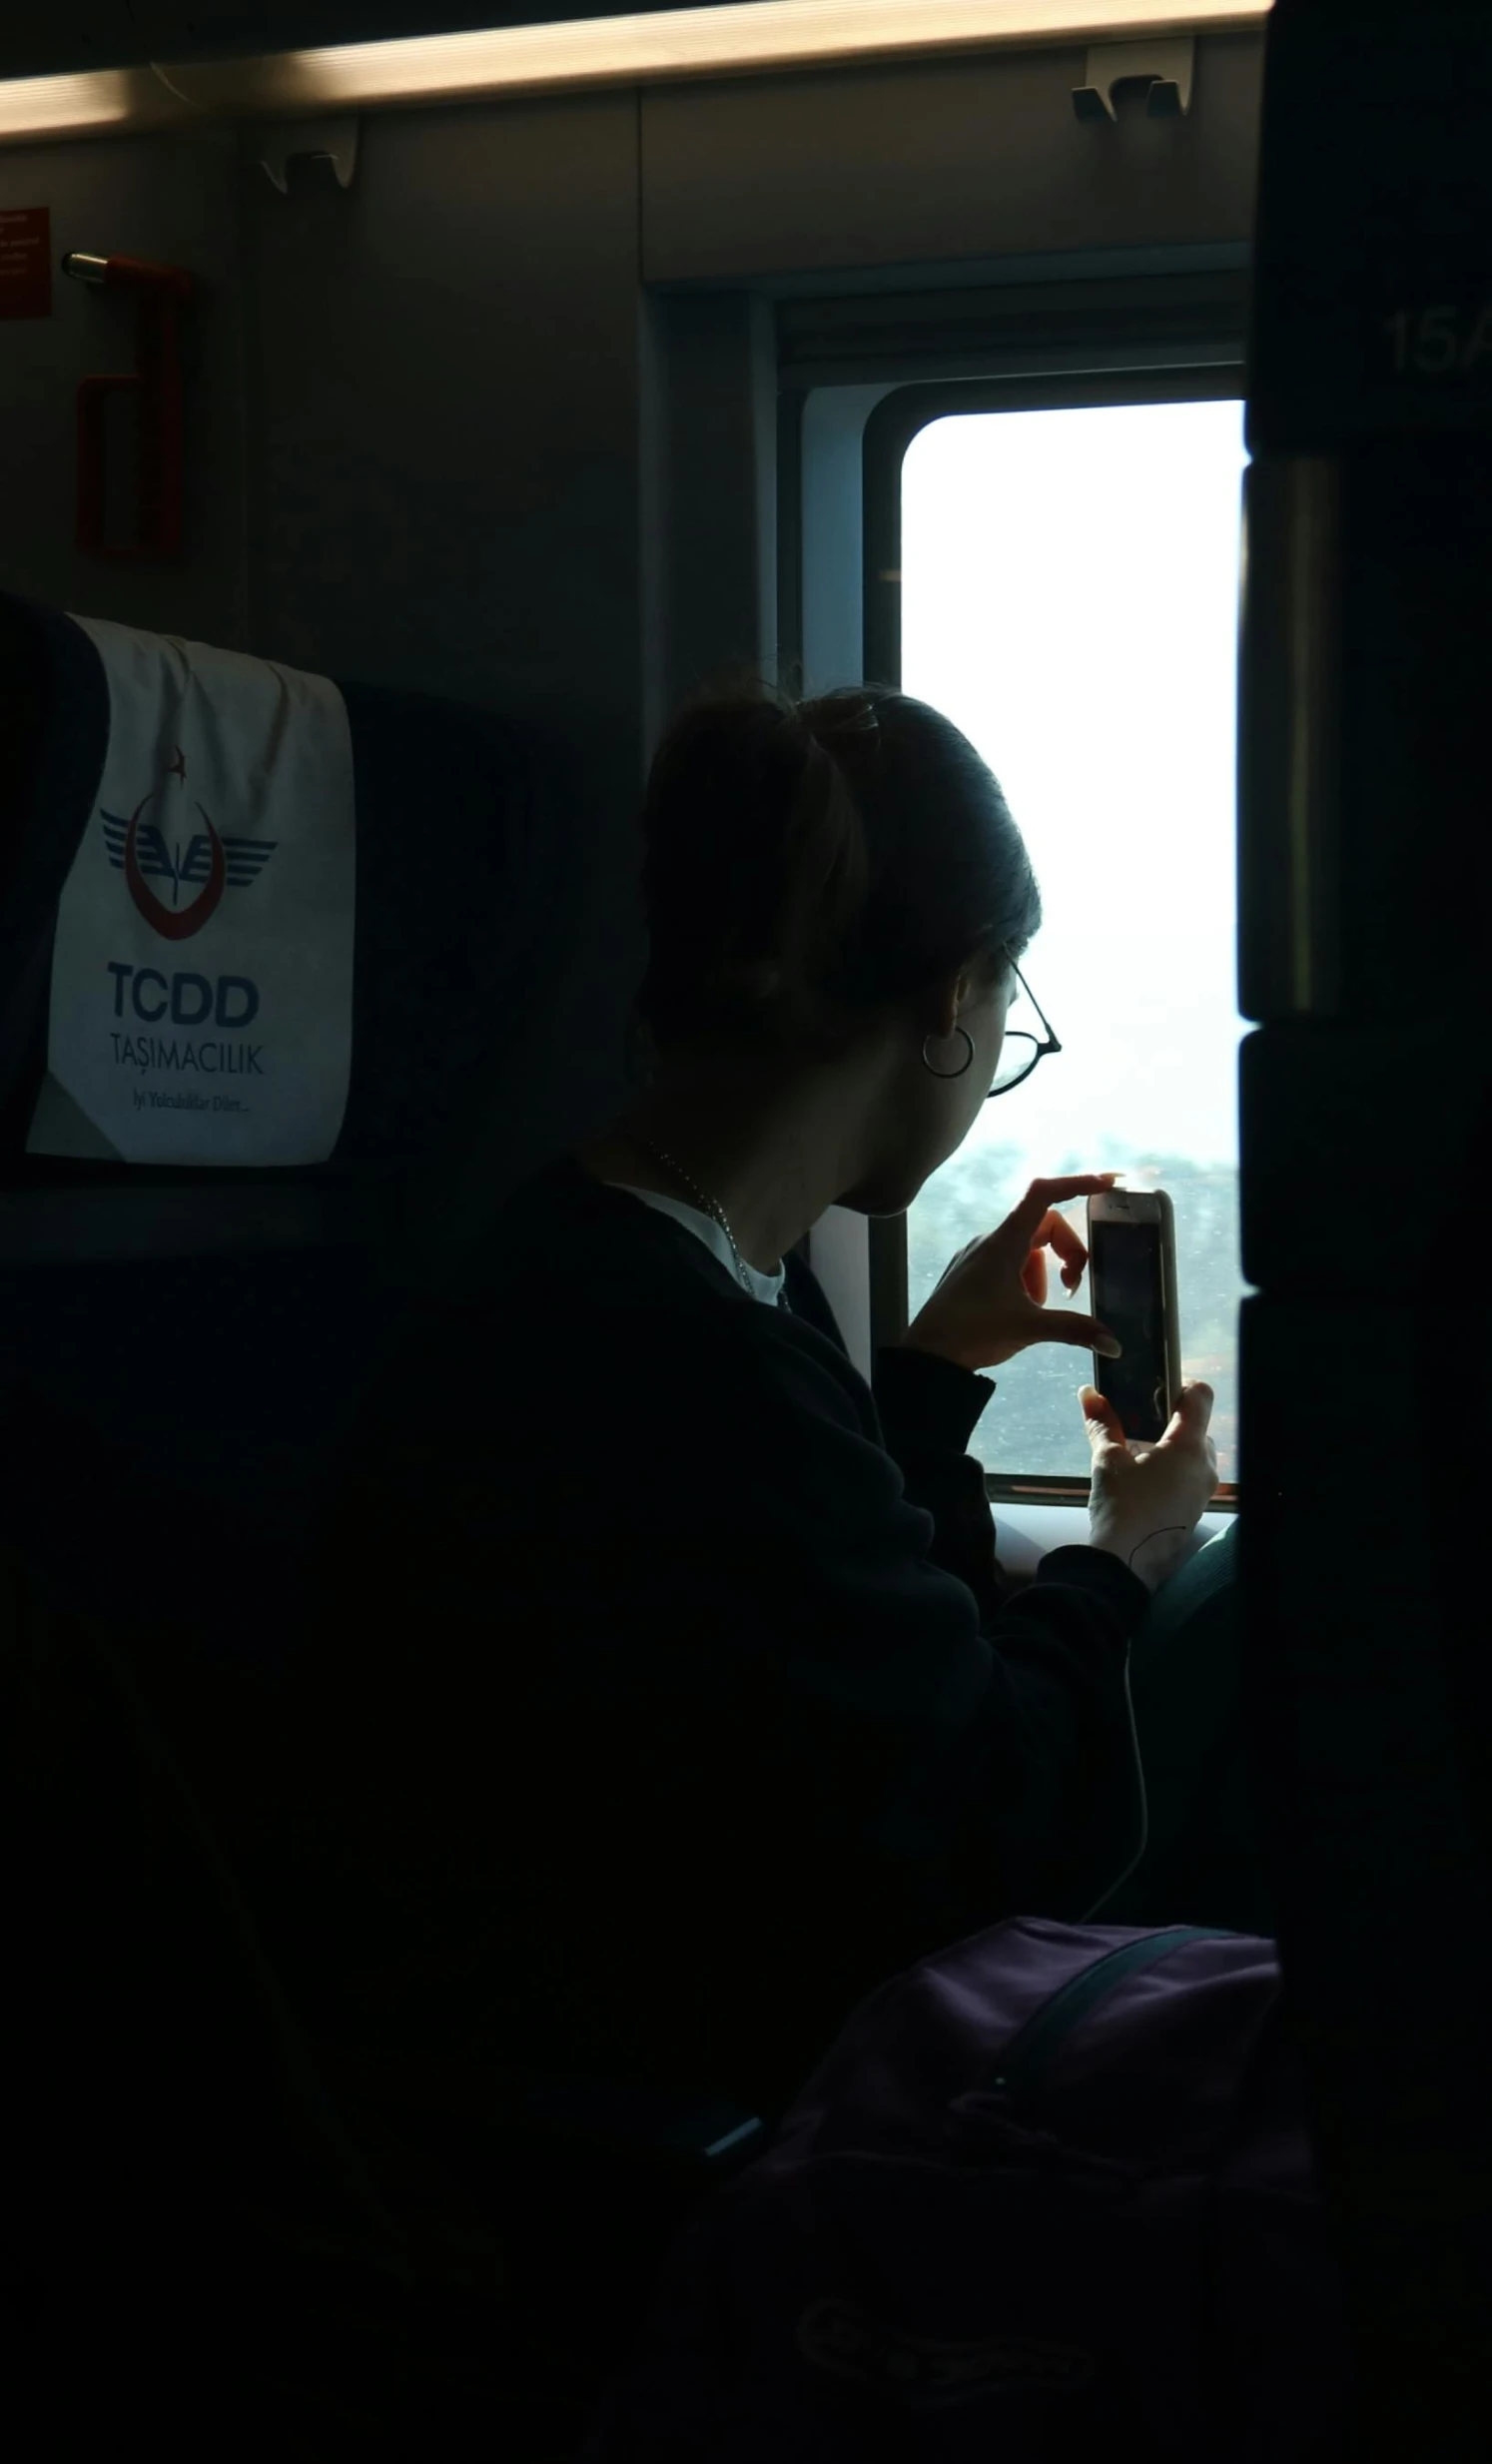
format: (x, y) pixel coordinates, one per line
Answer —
(989, 1304)
(1146, 1500)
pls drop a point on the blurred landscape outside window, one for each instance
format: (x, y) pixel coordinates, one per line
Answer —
(1070, 598)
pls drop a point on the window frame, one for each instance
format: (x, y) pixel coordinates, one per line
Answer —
(889, 432)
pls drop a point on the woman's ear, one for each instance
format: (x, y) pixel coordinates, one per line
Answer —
(944, 1003)
(961, 994)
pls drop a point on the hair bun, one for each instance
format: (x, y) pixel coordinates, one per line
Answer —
(808, 860)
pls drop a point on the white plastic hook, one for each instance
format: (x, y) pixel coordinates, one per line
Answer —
(326, 140)
(1169, 68)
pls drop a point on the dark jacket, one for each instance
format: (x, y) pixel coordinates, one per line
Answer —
(662, 1691)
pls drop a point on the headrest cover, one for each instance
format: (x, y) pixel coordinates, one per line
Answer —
(202, 971)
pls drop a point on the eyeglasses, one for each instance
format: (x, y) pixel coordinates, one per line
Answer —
(1020, 1053)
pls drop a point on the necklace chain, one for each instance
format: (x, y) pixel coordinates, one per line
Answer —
(711, 1205)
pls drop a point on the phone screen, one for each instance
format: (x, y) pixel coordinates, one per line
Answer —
(1129, 1296)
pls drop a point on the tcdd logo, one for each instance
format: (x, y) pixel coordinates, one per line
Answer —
(137, 849)
(231, 1001)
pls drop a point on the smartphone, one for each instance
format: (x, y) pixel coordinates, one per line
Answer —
(1131, 1247)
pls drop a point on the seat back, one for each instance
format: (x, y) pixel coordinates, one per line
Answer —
(191, 2238)
(186, 1332)
(192, 1300)
(254, 2241)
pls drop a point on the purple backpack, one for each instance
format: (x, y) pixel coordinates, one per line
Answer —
(1051, 2195)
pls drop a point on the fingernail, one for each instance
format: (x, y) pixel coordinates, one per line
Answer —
(1110, 1346)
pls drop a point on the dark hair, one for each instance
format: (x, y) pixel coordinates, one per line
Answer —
(808, 860)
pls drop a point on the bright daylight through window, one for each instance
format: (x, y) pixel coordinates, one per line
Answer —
(1070, 596)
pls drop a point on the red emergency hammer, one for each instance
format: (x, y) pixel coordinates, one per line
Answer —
(160, 292)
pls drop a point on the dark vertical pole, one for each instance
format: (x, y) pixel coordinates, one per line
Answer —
(1365, 891)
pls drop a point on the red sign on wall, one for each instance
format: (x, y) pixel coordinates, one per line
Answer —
(25, 261)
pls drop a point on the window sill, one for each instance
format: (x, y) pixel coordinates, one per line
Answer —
(1024, 1534)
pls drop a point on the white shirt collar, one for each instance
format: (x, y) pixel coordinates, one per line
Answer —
(764, 1288)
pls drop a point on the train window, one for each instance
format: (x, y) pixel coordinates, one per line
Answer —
(1069, 594)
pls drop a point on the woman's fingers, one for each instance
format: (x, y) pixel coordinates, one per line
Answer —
(1100, 1418)
(1034, 1276)
(1056, 1233)
(1042, 1196)
(1193, 1410)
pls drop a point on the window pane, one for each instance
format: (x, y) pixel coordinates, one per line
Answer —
(1070, 598)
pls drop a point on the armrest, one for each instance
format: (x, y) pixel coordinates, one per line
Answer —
(527, 2114)
(710, 2134)
(585, 2185)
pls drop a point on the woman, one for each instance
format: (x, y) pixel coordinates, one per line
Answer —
(666, 1757)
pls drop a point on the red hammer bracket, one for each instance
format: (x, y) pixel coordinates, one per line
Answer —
(160, 292)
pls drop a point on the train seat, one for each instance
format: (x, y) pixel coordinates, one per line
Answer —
(265, 942)
(330, 905)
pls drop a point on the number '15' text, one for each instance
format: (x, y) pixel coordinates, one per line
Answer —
(1440, 342)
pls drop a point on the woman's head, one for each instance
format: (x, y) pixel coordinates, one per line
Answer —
(830, 884)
